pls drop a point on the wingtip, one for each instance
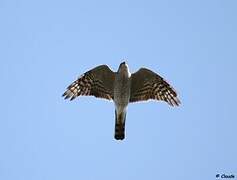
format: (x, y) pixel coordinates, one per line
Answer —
(66, 95)
(73, 97)
(177, 102)
(174, 102)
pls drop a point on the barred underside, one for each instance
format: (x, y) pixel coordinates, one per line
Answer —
(97, 82)
(148, 85)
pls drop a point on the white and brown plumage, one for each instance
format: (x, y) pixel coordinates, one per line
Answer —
(123, 88)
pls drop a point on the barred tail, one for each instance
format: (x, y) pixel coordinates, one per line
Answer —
(120, 125)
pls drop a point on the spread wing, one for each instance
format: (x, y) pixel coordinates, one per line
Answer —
(97, 82)
(146, 84)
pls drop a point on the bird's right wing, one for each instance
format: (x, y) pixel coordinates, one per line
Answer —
(97, 82)
(146, 85)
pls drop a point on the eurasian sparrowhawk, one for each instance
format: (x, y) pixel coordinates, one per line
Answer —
(123, 88)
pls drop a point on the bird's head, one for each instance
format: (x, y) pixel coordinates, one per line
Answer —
(123, 68)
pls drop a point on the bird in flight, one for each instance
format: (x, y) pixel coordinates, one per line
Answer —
(122, 88)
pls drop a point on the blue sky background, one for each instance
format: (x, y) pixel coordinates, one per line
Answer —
(45, 45)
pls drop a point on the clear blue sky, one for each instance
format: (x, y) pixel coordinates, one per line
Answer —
(45, 45)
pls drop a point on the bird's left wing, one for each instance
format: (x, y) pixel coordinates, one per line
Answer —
(146, 85)
(97, 82)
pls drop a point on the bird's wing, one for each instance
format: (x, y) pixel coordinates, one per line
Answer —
(97, 82)
(146, 84)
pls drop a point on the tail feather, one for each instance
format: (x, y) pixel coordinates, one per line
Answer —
(120, 125)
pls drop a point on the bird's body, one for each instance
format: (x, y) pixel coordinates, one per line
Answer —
(123, 88)
(121, 99)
